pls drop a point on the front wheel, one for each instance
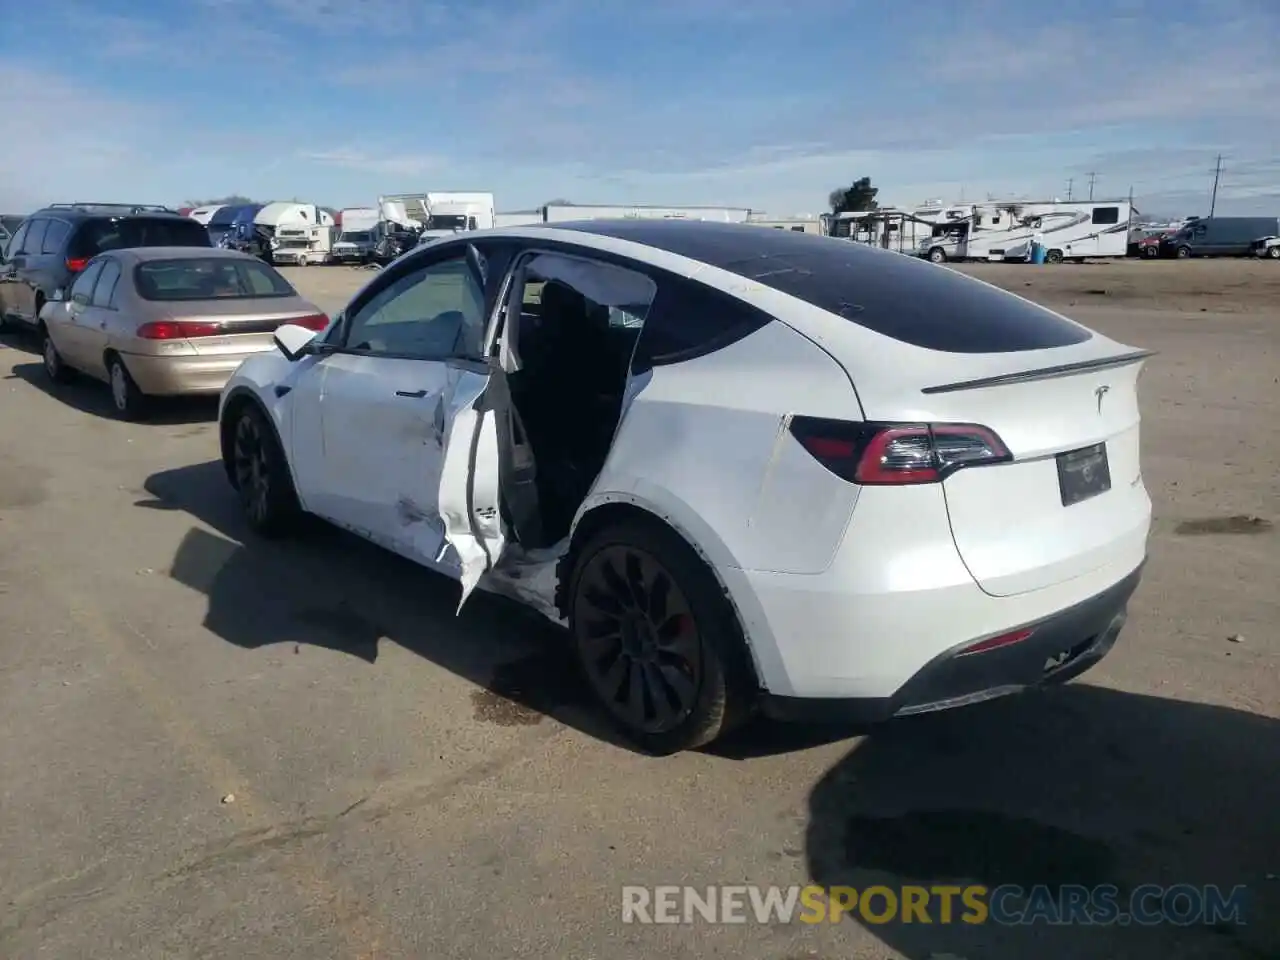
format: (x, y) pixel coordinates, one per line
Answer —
(1273, 253)
(657, 640)
(1053, 256)
(261, 475)
(1184, 253)
(937, 255)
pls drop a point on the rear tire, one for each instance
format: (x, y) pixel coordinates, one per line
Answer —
(1184, 253)
(130, 402)
(1053, 256)
(1273, 253)
(937, 255)
(260, 474)
(656, 638)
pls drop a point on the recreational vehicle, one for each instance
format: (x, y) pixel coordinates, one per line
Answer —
(1007, 231)
(301, 233)
(564, 212)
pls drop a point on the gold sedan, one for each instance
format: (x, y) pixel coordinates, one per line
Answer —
(165, 321)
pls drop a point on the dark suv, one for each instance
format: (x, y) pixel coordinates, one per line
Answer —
(54, 244)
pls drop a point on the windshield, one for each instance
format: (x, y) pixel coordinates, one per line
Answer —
(211, 278)
(447, 221)
(357, 236)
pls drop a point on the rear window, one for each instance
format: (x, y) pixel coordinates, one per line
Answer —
(208, 279)
(100, 234)
(912, 301)
(890, 293)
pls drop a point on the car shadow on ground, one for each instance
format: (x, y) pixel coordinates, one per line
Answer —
(327, 588)
(1077, 785)
(87, 395)
(20, 340)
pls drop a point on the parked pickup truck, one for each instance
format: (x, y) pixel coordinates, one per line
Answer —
(1268, 247)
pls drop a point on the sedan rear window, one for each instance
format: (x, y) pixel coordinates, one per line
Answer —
(211, 278)
(101, 234)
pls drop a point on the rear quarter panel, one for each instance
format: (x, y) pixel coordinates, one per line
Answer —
(704, 445)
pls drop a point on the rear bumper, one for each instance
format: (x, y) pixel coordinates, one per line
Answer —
(172, 376)
(1062, 646)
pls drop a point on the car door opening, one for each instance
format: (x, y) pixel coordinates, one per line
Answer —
(571, 330)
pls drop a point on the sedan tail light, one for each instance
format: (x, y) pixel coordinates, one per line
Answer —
(77, 264)
(178, 330)
(898, 453)
(314, 321)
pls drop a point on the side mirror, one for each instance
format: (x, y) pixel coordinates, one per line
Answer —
(294, 341)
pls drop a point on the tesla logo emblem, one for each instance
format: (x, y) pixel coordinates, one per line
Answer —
(1100, 393)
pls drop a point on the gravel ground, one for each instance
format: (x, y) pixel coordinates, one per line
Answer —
(217, 747)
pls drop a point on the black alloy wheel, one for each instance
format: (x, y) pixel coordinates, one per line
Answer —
(261, 475)
(657, 639)
(253, 478)
(638, 639)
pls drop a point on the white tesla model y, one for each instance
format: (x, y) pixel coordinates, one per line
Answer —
(749, 469)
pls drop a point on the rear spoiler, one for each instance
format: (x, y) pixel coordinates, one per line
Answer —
(1044, 373)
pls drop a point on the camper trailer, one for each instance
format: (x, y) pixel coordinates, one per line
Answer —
(1007, 230)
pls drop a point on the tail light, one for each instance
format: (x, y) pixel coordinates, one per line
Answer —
(77, 264)
(898, 453)
(316, 321)
(178, 330)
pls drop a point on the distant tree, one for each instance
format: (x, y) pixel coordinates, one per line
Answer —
(558, 203)
(861, 195)
(235, 200)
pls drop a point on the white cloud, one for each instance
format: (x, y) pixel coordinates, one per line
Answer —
(392, 162)
(64, 139)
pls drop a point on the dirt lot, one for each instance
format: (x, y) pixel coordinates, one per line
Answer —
(216, 747)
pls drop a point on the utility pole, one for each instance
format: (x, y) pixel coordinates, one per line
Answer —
(1070, 183)
(1217, 175)
(1092, 177)
(1131, 208)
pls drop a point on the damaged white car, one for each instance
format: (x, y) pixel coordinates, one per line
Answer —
(749, 469)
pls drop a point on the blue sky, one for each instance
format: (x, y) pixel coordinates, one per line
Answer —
(762, 104)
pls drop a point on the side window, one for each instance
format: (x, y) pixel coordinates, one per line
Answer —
(433, 313)
(82, 289)
(35, 237)
(1106, 215)
(15, 245)
(54, 236)
(105, 289)
(571, 306)
(691, 319)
